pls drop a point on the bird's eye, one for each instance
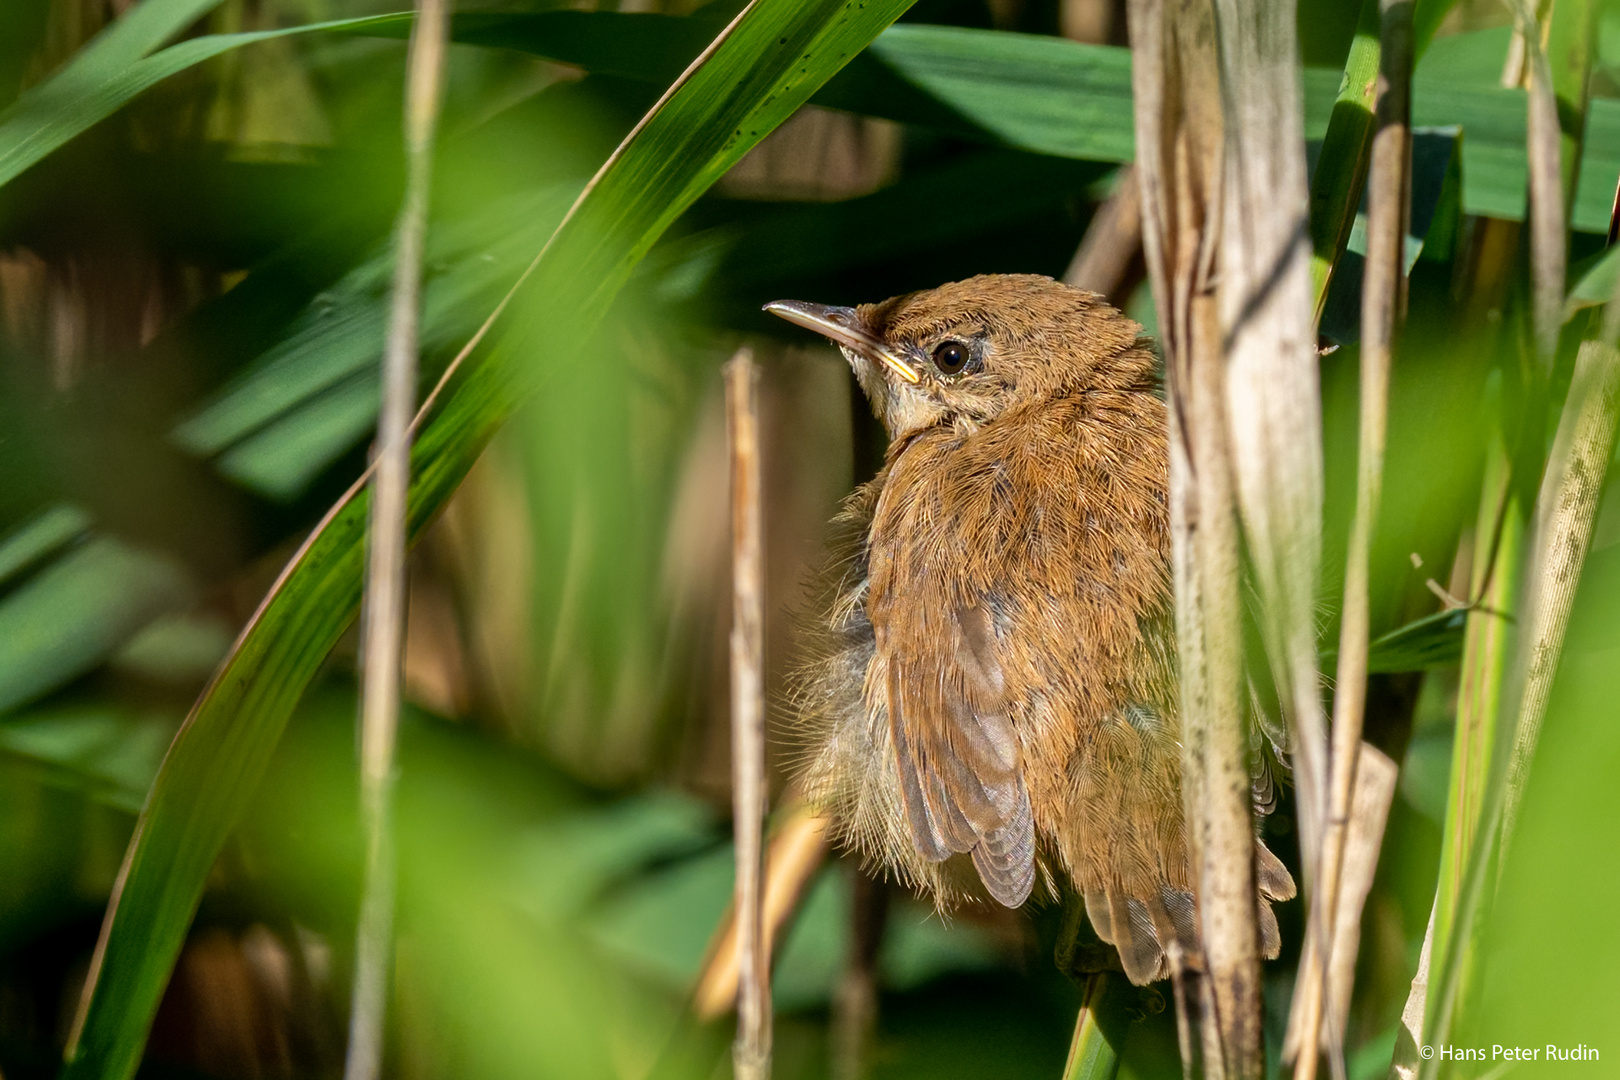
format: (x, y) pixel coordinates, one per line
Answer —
(951, 357)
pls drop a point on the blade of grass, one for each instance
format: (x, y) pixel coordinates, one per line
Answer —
(131, 36)
(385, 597)
(762, 68)
(1092, 1055)
(73, 613)
(1567, 509)
(1488, 638)
(1558, 541)
(1342, 167)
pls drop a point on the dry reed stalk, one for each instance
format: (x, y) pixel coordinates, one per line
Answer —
(1273, 406)
(1382, 300)
(1572, 484)
(1102, 263)
(1548, 250)
(1334, 973)
(1272, 390)
(751, 1053)
(1180, 167)
(795, 853)
(383, 617)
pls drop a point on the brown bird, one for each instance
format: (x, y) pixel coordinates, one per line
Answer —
(992, 668)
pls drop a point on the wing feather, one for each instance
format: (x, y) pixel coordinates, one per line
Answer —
(957, 752)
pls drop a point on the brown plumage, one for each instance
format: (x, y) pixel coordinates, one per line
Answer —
(992, 669)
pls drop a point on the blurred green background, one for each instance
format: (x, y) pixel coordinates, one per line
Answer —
(193, 295)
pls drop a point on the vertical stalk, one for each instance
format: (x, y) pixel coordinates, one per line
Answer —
(1487, 644)
(1548, 251)
(1495, 679)
(1176, 87)
(1382, 296)
(751, 1054)
(383, 615)
(1273, 407)
(1566, 502)
(1566, 510)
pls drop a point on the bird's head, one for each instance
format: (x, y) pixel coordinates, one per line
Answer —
(965, 353)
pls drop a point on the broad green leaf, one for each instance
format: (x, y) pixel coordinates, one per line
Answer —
(1341, 170)
(1051, 96)
(1600, 165)
(1435, 172)
(1017, 90)
(39, 537)
(761, 70)
(72, 614)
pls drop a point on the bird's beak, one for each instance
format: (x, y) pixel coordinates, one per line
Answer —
(843, 328)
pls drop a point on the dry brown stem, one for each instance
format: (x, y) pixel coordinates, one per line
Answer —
(1376, 775)
(1180, 170)
(1382, 300)
(1548, 253)
(751, 1053)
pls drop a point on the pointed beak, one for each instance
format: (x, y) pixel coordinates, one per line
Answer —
(843, 328)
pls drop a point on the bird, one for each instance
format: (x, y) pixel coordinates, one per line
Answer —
(986, 697)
